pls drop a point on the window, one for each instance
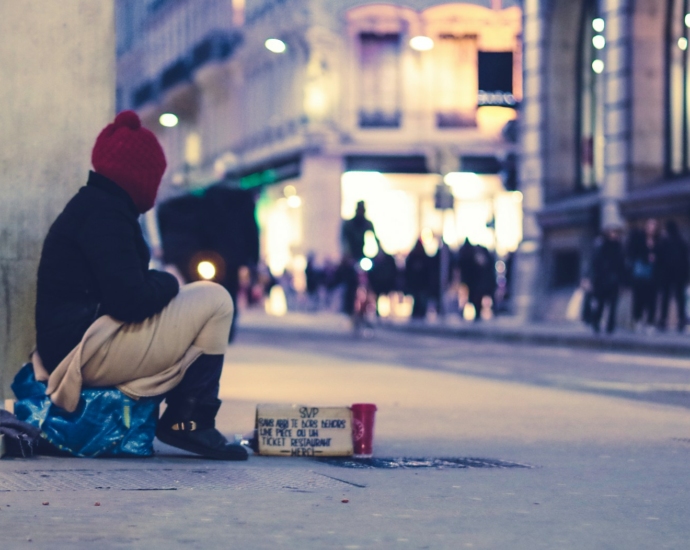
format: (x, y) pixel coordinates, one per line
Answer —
(380, 90)
(496, 79)
(678, 148)
(456, 81)
(591, 98)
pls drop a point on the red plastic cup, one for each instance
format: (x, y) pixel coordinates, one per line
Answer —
(363, 415)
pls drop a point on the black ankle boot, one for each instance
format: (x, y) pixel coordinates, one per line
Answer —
(190, 426)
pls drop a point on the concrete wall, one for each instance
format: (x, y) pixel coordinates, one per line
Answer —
(57, 91)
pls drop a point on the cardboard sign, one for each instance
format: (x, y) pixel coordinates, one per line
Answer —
(299, 430)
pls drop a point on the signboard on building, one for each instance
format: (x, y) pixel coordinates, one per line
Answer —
(300, 430)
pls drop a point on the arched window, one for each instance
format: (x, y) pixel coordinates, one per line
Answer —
(678, 124)
(591, 97)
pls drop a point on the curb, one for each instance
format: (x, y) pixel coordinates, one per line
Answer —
(631, 343)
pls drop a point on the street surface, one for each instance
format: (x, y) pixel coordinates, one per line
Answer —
(606, 436)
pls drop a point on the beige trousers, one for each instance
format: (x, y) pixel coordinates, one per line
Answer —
(147, 358)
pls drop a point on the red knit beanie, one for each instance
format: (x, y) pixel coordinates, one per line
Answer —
(130, 156)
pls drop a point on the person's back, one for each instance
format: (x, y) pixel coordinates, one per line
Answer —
(78, 280)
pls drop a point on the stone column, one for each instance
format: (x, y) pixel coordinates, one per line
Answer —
(57, 91)
(617, 107)
(527, 274)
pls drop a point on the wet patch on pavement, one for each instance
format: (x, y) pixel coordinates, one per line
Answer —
(417, 463)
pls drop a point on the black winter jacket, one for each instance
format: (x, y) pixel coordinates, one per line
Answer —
(95, 262)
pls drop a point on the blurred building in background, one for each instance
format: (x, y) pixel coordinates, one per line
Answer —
(318, 104)
(605, 131)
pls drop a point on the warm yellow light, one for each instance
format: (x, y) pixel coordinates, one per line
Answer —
(315, 100)
(192, 149)
(598, 66)
(206, 270)
(421, 43)
(683, 43)
(371, 247)
(492, 119)
(383, 306)
(276, 303)
(169, 120)
(599, 24)
(466, 185)
(599, 42)
(294, 201)
(274, 45)
(289, 191)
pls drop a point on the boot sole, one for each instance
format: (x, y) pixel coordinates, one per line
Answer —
(238, 452)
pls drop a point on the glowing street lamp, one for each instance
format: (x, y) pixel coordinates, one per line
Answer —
(206, 270)
(598, 66)
(599, 24)
(275, 45)
(421, 43)
(599, 42)
(169, 120)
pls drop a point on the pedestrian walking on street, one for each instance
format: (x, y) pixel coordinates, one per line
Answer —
(674, 269)
(314, 280)
(353, 232)
(383, 275)
(417, 273)
(643, 257)
(478, 273)
(485, 279)
(104, 319)
(607, 275)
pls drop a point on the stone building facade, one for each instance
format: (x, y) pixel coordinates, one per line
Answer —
(605, 138)
(348, 110)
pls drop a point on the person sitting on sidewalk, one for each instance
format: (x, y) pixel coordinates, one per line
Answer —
(104, 319)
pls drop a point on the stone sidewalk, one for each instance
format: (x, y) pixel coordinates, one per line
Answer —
(576, 470)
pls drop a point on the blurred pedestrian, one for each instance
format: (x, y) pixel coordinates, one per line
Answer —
(383, 275)
(314, 281)
(643, 256)
(417, 273)
(346, 277)
(485, 279)
(674, 268)
(606, 276)
(353, 232)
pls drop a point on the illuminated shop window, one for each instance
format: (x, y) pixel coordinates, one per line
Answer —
(678, 146)
(380, 73)
(591, 98)
(456, 87)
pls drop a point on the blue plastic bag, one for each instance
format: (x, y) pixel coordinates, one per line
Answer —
(106, 423)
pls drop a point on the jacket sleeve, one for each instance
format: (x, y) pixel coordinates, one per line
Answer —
(128, 292)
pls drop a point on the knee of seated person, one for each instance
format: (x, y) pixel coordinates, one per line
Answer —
(218, 296)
